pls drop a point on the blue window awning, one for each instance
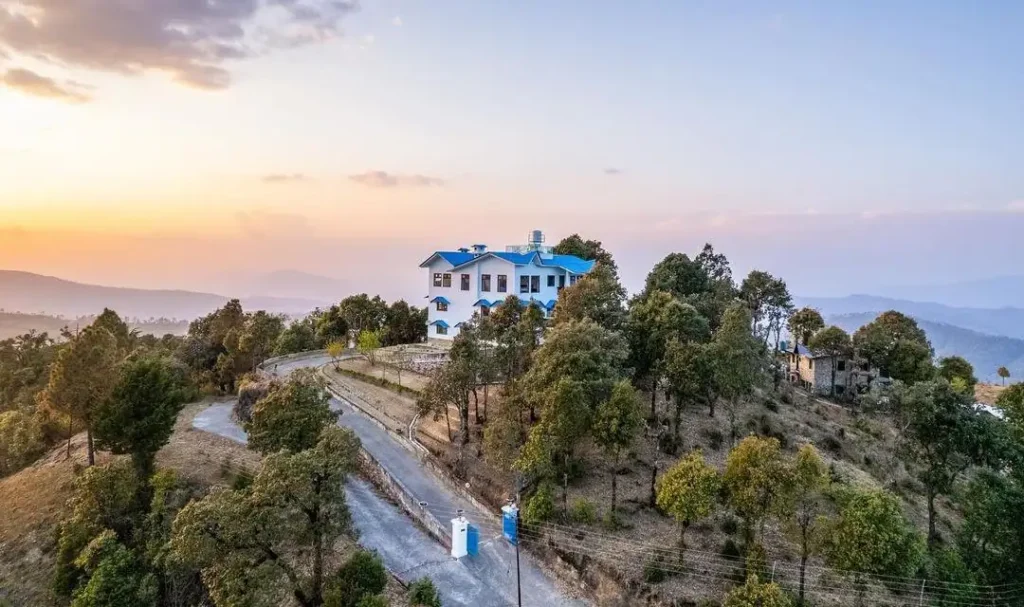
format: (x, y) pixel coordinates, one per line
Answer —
(440, 323)
(550, 305)
(482, 303)
(440, 299)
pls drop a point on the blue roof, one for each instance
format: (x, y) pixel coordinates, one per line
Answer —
(801, 350)
(550, 305)
(440, 299)
(440, 323)
(484, 303)
(569, 262)
(453, 257)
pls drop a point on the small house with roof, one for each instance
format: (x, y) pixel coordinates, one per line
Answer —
(812, 371)
(473, 280)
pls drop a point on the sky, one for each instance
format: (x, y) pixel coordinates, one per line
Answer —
(844, 146)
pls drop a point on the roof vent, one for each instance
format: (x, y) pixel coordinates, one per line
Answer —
(463, 250)
(479, 249)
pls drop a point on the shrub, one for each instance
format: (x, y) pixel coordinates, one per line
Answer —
(669, 443)
(363, 575)
(786, 394)
(730, 550)
(541, 505)
(754, 593)
(251, 390)
(654, 571)
(422, 593)
(583, 511)
(771, 405)
(757, 560)
(730, 525)
(21, 441)
(832, 444)
(715, 438)
(374, 600)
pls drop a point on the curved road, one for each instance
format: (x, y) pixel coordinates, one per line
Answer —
(487, 579)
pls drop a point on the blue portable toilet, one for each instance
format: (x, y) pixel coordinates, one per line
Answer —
(472, 540)
(509, 523)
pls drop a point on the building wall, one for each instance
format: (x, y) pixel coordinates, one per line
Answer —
(460, 307)
(452, 315)
(546, 293)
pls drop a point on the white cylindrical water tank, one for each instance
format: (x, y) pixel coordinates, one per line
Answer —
(460, 530)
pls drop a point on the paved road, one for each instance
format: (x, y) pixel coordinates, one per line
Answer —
(488, 578)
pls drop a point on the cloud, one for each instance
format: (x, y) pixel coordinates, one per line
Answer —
(612, 171)
(284, 178)
(31, 83)
(397, 21)
(383, 179)
(192, 40)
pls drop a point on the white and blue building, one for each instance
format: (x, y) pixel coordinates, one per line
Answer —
(473, 280)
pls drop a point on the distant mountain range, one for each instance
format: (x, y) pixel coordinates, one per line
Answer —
(995, 292)
(33, 293)
(987, 337)
(288, 284)
(13, 324)
(994, 321)
(986, 352)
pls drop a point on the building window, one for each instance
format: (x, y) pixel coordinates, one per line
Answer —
(446, 280)
(841, 365)
(551, 280)
(442, 306)
(485, 282)
(437, 279)
(524, 284)
(535, 284)
(573, 279)
(485, 311)
(465, 282)
(441, 330)
(502, 283)
(561, 281)
(810, 363)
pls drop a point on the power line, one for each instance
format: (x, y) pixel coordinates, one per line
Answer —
(723, 568)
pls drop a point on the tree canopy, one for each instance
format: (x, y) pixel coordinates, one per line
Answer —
(274, 540)
(804, 323)
(687, 491)
(896, 346)
(139, 416)
(871, 535)
(292, 415)
(574, 244)
(598, 296)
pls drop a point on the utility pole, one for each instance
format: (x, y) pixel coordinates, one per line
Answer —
(519, 587)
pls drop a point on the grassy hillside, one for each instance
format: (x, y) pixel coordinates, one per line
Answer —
(986, 352)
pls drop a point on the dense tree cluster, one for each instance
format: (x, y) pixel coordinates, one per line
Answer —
(693, 337)
(603, 371)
